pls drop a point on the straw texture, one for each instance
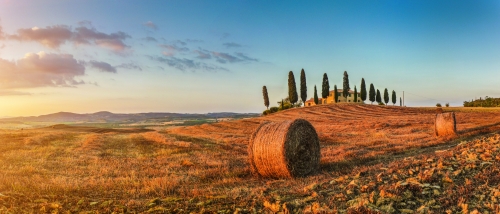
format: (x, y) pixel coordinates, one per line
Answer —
(284, 150)
(446, 124)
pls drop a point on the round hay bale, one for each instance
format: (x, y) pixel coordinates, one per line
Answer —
(284, 150)
(445, 124)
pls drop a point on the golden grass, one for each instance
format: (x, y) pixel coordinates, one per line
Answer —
(204, 168)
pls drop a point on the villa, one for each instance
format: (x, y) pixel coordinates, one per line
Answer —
(331, 97)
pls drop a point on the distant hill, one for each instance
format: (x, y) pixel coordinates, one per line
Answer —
(105, 116)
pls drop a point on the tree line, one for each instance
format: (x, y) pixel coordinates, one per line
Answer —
(487, 102)
(291, 100)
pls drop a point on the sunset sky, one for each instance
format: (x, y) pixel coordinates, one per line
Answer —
(126, 56)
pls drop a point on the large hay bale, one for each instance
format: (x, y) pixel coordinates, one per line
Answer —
(284, 150)
(445, 124)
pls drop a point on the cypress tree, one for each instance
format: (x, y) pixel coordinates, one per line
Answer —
(315, 95)
(346, 88)
(326, 87)
(400, 102)
(266, 98)
(377, 97)
(386, 96)
(292, 88)
(335, 94)
(363, 89)
(282, 104)
(303, 86)
(372, 93)
(393, 97)
(355, 94)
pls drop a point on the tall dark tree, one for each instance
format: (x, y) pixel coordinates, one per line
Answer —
(363, 89)
(372, 93)
(316, 100)
(378, 97)
(355, 94)
(394, 98)
(326, 87)
(335, 94)
(346, 88)
(292, 88)
(266, 98)
(303, 86)
(400, 102)
(386, 96)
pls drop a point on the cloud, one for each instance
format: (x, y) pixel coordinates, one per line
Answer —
(179, 42)
(41, 70)
(171, 50)
(151, 25)
(52, 36)
(188, 64)
(202, 55)
(193, 40)
(225, 35)
(231, 45)
(102, 66)
(130, 66)
(2, 36)
(246, 58)
(55, 36)
(150, 39)
(114, 41)
(13, 93)
(225, 57)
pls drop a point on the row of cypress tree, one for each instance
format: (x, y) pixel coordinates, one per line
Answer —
(373, 95)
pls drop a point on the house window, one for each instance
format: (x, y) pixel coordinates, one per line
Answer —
(349, 100)
(349, 94)
(338, 101)
(308, 104)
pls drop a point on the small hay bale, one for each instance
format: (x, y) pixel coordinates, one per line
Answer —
(284, 150)
(445, 124)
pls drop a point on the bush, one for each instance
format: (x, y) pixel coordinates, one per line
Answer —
(381, 104)
(266, 112)
(438, 105)
(273, 109)
(285, 106)
(447, 105)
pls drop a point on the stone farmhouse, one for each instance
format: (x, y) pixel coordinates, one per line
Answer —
(331, 97)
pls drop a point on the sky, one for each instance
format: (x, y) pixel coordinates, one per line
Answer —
(127, 56)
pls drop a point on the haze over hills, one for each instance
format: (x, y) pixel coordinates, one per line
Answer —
(105, 116)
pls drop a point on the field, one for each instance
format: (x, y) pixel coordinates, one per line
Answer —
(373, 159)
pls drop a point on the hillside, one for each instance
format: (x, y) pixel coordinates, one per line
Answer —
(351, 131)
(374, 160)
(105, 116)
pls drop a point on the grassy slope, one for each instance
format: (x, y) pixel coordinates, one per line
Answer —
(204, 167)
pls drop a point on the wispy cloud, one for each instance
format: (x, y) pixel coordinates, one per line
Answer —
(14, 93)
(41, 70)
(188, 64)
(56, 35)
(246, 58)
(150, 39)
(193, 40)
(225, 57)
(231, 45)
(202, 54)
(180, 42)
(102, 66)
(171, 50)
(131, 66)
(150, 25)
(225, 35)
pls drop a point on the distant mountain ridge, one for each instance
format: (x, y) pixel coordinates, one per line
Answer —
(106, 116)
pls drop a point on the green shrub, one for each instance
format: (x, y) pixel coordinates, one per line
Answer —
(381, 104)
(438, 105)
(447, 104)
(273, 109)
(266, 112)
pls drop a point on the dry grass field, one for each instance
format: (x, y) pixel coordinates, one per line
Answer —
(373, 160)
